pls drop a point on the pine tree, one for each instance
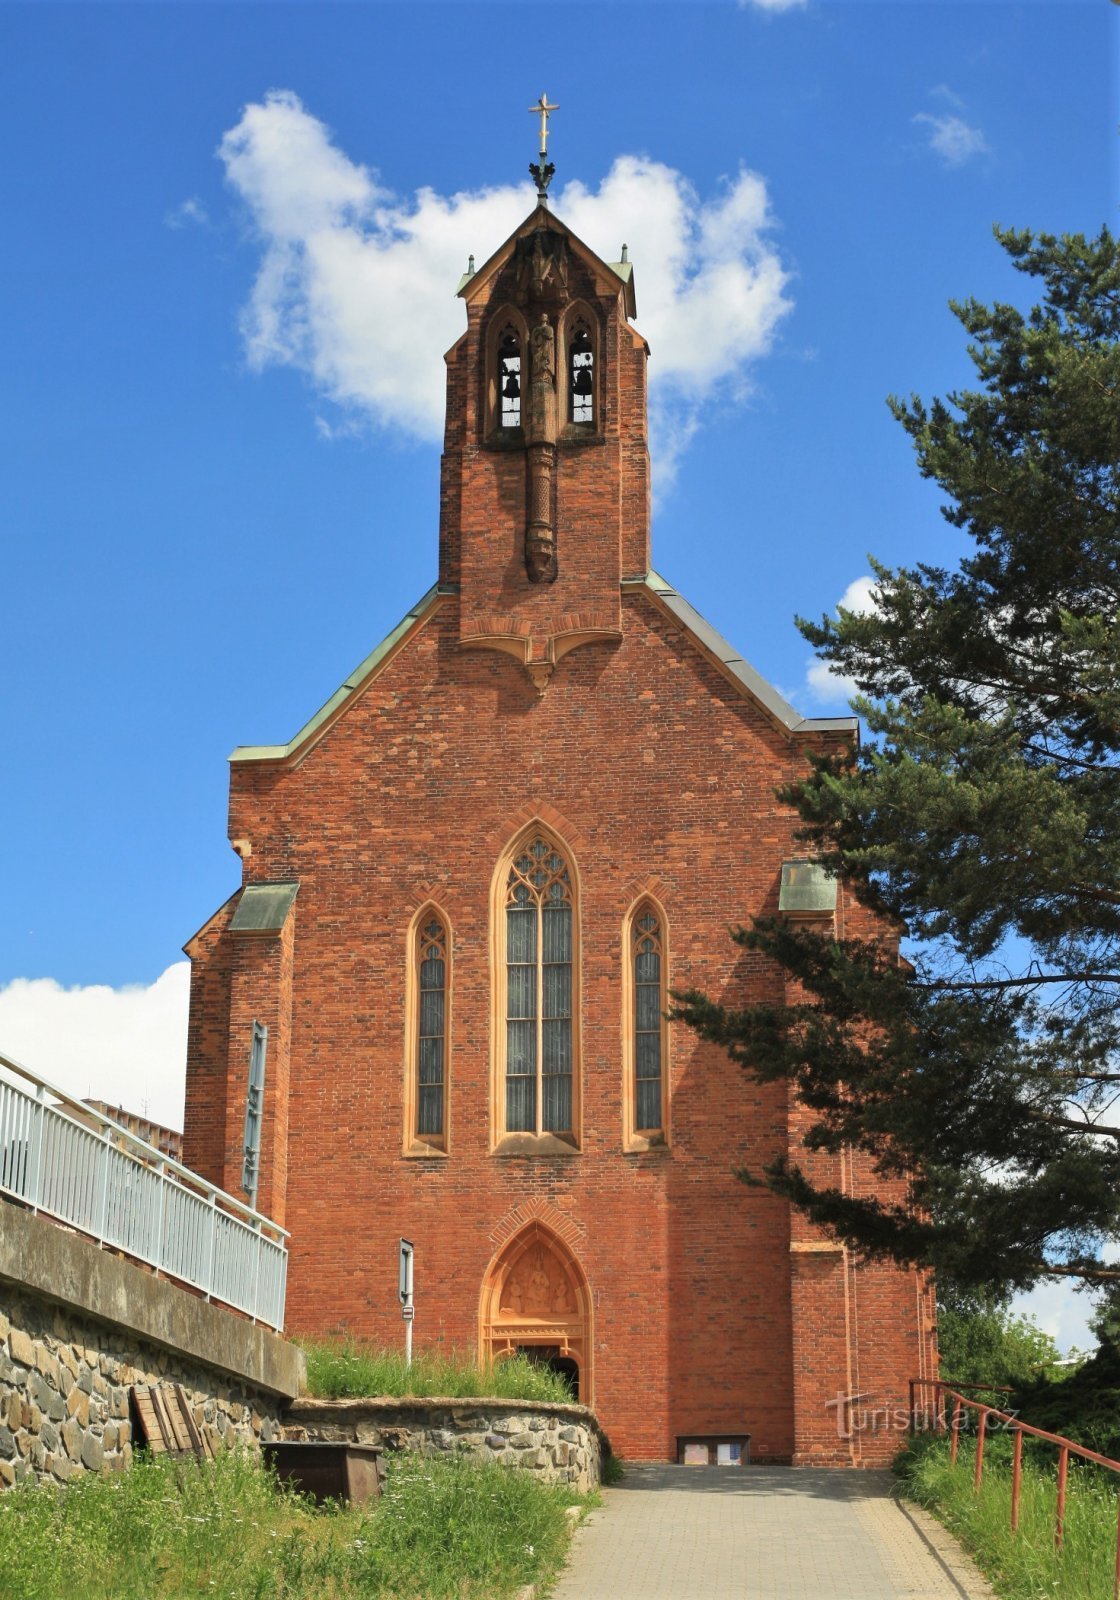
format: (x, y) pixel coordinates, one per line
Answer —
(982, 817)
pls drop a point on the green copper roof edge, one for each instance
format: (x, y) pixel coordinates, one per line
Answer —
(354, 681)
(735, 664)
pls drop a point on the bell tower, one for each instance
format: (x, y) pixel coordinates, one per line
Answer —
(545, 481)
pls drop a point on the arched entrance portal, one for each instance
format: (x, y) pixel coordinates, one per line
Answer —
(535, 1300)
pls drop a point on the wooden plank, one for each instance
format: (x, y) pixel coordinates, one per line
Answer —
(149, 1418)
(195, 1437)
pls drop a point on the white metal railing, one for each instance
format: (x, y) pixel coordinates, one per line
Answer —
(63, 1158)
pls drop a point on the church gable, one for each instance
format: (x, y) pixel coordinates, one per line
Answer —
(471, 883)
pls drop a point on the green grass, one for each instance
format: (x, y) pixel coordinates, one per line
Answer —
(344, 1368)
(1023, 1565)
(445, 1529)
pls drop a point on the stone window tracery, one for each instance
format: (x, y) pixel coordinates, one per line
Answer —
(648, 1007)
(645, 1036)
(431, 957)
(427, 1011)
(539, 949)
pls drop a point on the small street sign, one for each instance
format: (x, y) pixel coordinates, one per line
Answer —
(407, 1313)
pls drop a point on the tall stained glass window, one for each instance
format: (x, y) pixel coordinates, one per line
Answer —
(646, 953)
(431, 1044)
(539, 992)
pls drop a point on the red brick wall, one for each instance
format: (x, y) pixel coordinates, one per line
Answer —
(656, 773)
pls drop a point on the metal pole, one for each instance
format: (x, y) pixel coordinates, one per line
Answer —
(979, 1473)
(408, 1344)
(1060, 1520)
(956, 1431)
(1016, 1479)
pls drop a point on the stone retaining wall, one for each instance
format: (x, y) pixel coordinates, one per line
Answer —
(557, 1443)
(64, 1405)
(79, 1325)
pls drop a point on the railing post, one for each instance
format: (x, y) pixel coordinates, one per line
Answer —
(955, 1441)
(1060, 1520)
(979, 1473)
(257, 1272)
(161, 1173)
(1116, 1578)
(101, 1193)
(35, 1175)
(211, 1244)
(913, 1408)
(1016, 1478)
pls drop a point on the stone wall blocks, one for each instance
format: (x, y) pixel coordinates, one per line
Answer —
(48, 1366)
(7, 1473)
(48, 1434)
(21, 1347)
(93, 1453)
(86, 1380)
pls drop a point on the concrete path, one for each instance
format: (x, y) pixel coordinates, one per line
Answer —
(762, 1533)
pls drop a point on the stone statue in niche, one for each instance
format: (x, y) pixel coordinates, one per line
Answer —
(537, 1286)
(542, 390)
(542, 267)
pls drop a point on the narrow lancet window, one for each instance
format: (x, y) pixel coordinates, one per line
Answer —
(646, 950)
(431, 1048)
(509, 378)
(539, 939)
(581, 373)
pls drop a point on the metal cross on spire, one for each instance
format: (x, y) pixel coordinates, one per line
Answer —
(542, 171)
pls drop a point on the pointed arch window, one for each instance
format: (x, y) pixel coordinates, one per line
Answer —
(539, 917)
(581, 372)
(644, 1029)
(426, 1088)
(509, 377)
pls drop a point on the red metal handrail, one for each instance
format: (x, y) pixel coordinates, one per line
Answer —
(1066, 1448)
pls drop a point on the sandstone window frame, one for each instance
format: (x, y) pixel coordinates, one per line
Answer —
(636, 1138)
(580, 311)
(506, 1141)
(416, 1142)
(500, 320)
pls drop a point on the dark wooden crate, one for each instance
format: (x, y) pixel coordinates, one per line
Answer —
(327, 1471)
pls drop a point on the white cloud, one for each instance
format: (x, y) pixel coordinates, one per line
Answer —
(127, 1046)
(1061, 1312)
(772, 5)
(355, 286)
(189, 213)
(952, 138)
(823, 684)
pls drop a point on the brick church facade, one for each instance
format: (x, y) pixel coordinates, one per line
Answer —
(469, 884)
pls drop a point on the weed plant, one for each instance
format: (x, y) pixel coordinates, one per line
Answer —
(345, 1368)
(445, 1529)
(1022, 1565)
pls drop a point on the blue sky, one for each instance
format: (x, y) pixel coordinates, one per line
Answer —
(220, 461)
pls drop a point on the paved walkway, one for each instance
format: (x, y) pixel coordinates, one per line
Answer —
(762, 1533)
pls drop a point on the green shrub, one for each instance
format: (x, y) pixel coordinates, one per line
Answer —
(1023, 1565)
(341, 1368)
(445, 1529)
